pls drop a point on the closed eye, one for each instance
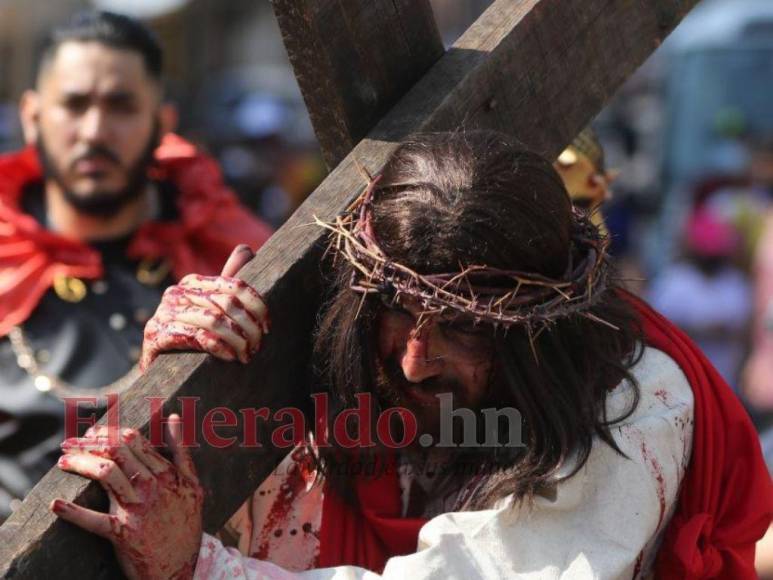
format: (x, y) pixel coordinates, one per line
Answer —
(393, 306)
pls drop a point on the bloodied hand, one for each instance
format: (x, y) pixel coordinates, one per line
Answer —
(220, 315)
(154, 520)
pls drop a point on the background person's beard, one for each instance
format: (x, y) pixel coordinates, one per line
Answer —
(103, 203)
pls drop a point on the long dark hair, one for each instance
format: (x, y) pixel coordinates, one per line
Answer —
(480, 198)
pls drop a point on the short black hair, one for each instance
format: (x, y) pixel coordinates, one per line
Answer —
(108, 28)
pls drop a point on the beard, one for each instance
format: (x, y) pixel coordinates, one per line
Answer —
(390, 390)
(391, 387)
(103, 203)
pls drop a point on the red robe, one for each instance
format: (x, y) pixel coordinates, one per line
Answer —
(725, 503)
(211, 223)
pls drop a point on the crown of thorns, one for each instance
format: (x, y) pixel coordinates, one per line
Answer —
(503, 298)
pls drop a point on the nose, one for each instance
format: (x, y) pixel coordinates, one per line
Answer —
(93, 127)
(420, 361)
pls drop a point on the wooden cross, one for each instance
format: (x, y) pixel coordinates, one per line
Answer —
(371, 72)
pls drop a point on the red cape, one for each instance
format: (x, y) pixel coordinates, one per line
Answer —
(211, 223)
(724, 507)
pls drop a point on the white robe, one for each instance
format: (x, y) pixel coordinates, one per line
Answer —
(605, 522)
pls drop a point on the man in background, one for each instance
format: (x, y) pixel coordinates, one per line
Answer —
(706, 294)
(100, 212)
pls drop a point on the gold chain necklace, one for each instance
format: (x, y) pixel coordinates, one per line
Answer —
(47, 382)
(150, 272)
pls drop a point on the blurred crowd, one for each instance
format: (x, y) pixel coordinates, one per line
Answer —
(718, 284)
(719, 288)
(690, 140)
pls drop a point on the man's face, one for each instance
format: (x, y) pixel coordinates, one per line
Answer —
(418, 359)
(95, 118)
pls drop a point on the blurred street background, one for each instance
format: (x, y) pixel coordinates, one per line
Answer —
(690, 136)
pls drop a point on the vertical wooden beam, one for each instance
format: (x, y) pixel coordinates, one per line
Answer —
(354, 59)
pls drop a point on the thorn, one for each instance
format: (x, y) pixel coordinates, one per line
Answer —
(595, 318)
(365, 173)
(531, 344)
(359, 306)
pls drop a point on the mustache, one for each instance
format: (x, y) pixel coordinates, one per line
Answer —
(96, 152)
(393, 381)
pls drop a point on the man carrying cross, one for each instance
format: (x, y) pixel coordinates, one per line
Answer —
(462, 272)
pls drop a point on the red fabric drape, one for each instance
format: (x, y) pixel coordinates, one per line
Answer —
(724, 507)
(368, 536)
(726, 500)
(211, 223)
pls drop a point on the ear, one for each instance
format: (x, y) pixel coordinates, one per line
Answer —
(600, 183)
(29, 114)
(612, 176)
(168, 118)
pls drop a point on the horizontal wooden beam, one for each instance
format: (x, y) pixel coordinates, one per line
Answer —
(354, 59)
(537, 69)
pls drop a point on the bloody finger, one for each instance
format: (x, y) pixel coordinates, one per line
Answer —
(181, 454)
(118, 452)
(217, 323)
(104, 525)
(240, 255)
(146, 455)
(231, 307)
(104, 470)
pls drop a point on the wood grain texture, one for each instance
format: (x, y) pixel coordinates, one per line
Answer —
(537, 69)
(354, 59)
